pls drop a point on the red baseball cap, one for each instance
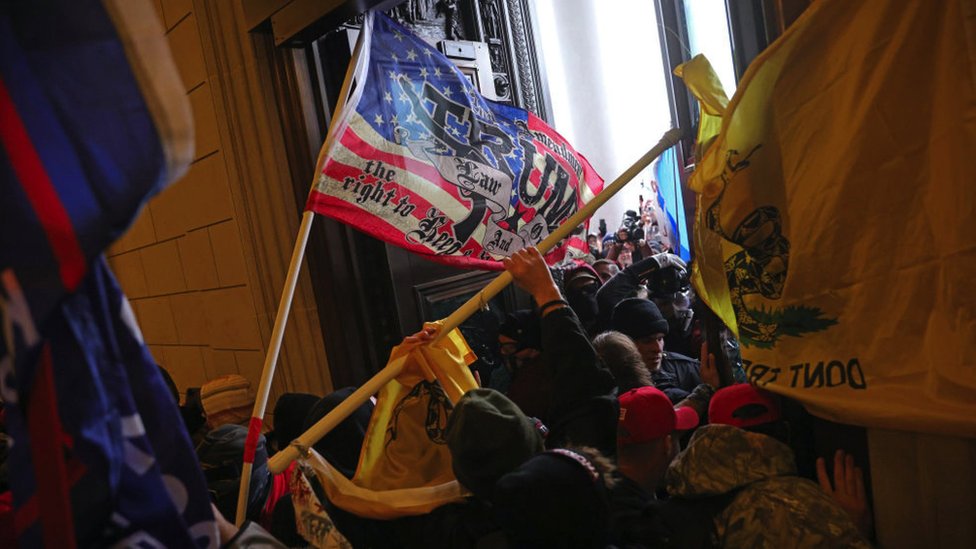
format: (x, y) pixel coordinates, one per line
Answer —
(647, 414)
(743, 405)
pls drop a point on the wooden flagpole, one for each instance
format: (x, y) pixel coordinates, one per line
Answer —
(339, 118)
(284, 457)
(270, 362)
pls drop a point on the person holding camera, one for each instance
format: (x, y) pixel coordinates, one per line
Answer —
(626, 241)
(632, 239)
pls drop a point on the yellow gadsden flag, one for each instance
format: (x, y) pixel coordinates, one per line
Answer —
(405, 465)
(836, 225)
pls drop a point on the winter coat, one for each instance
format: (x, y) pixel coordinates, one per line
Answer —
(772, 507)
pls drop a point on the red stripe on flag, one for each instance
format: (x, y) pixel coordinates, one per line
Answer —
(364, 149)
(339, 171)
(36, 183)
(591, 178)
(339, 210)
(27, 514)
(50, 473)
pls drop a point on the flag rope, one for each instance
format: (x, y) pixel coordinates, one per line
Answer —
(284, 457)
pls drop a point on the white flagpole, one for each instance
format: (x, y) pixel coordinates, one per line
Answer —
(340, 119)
(270, 361)
(285, 456)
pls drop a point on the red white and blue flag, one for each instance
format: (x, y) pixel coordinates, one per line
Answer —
(93, 120)
(419, 159)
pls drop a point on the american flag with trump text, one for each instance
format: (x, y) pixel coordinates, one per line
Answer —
(418, 158)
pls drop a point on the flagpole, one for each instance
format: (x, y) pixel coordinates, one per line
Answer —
(271, 361)
(339, 120)
(284, 457)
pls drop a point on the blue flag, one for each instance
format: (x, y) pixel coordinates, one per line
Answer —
(667, 172)
(93, 121)
(132, 473)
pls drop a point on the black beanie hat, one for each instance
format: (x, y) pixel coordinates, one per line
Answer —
(638, 317)
(289, 416)
(342, 445)
(555, 499)
(489, 436)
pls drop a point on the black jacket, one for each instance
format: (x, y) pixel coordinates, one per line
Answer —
(677, 377)
(620, 287)
(584, 408)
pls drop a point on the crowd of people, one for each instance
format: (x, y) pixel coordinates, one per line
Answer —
(592, 434)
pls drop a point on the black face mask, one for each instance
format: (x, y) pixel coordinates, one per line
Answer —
(583, 302)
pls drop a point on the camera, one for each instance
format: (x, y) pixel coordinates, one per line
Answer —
(666, 283)
(631, 225)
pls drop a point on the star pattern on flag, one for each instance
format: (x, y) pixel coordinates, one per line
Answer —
(420, 89)
(420, 105)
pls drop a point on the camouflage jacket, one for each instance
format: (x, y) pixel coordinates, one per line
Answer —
(772, 506)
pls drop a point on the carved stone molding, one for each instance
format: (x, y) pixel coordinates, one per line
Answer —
(506, 26)
(524, 59)
(434, 20)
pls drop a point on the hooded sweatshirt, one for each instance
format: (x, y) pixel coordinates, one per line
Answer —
(772, 507)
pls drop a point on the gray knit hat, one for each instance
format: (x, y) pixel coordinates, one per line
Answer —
(489, 436)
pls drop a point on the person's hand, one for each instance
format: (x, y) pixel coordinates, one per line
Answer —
(423, 337)
(847, 489)
(665, 260)
(530, 272)
(707, 369)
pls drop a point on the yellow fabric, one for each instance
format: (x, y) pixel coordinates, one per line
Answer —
(836, 214)
(405, 466)
(380, 504)
(704, 84)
